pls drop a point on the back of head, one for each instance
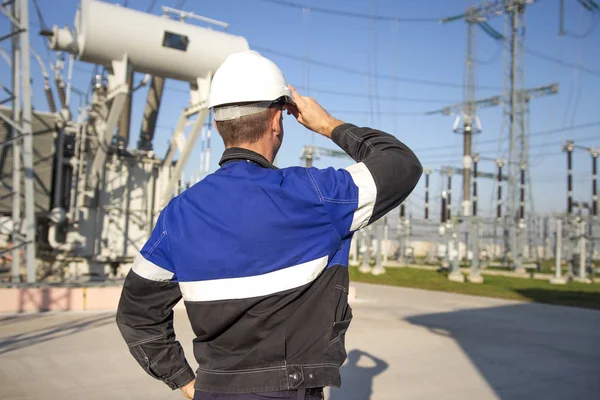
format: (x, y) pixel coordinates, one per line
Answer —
(245, 93)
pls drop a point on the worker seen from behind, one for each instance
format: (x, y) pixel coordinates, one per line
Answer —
(260, 254)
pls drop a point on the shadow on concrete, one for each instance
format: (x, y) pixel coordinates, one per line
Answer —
(527, 351)
(17, 318)
(357, 376)
(22, 340)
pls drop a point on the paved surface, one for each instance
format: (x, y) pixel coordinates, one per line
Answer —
(403, 344)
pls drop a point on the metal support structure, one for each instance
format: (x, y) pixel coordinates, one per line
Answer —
(449, 194)
(24, 225)
(569, 147)
(594, 153)
(124, 125)
(386, 233)
(427, 172)
(153, 100)
(475, 164)
(514, 112)
(558, 278)
(179, 142)
(16, 156)
(366, 250)
(519, 245)
(455, 274)
(475, 273)
(581, 238)
(118, 90)
(378, 269)
(469, 116)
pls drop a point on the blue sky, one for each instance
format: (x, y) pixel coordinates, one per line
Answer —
(427, 51)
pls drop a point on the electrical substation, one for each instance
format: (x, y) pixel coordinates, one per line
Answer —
(77, 203)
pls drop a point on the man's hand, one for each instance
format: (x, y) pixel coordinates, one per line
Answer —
(188, 390)
(310, 114)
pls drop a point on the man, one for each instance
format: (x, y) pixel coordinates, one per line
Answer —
(260, 254)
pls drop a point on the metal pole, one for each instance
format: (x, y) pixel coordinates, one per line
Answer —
(378, 269)
(511, 209)
(545, 239)
(569, 147)
(27, 145)
(386, 229)
(124, 124)
(469, 114)
(594, 182)
(582, 254)
(558, 278)
(427, 172)
(153, 100)
(475, 273)
(475, 163)
(443, 213)
(16, 153)
(522, 193)
(449, 204)
(518, 249)
(500, 164)
(366, 267)
(400, 258)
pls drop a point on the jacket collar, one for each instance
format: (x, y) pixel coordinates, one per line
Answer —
(238, 153)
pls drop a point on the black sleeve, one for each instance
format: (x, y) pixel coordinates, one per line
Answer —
(394, 168)
(145, 319)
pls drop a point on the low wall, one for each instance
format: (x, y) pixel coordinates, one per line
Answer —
(53, 298)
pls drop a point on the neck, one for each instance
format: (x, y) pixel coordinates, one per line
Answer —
(260, 147)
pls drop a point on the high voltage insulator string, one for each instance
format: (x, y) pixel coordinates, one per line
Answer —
(342, 13)
(349, 70)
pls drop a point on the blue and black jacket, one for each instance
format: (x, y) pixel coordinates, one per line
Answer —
(260, 257)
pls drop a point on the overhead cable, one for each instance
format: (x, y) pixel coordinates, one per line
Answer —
(343, 94)
(539, 133)
(343, 13)
(560, 62)
(349, 70)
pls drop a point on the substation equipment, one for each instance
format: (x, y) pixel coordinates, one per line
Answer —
(96, 200)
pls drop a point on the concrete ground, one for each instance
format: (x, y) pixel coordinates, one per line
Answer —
(402, 344)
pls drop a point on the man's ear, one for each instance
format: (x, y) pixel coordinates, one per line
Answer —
(276, 121)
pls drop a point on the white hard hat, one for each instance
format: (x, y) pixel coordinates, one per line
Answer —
(247, 77)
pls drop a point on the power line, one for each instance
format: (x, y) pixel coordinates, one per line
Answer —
(540, 133)
(362, 95)
(342, 13)
(383, 112)
(485, 152)
(349, 70)
(560, 62)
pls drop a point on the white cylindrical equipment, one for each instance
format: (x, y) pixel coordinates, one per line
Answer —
(154, 45)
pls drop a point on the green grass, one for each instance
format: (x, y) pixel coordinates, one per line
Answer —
(573, 294)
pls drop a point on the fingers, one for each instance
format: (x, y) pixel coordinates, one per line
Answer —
(295, 95)
(292, 109)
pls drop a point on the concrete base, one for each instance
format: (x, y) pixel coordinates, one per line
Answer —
(378, 271)
(365, 269)
(475, 278)
(559, 281)
(582, 280)
(456, 276)
(520, 271)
